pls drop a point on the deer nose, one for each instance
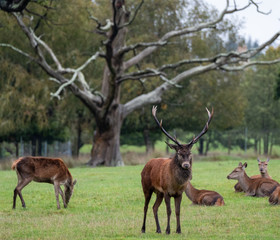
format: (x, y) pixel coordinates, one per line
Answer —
(186, 165)
(228, 177)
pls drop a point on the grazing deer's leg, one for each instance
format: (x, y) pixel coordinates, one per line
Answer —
(21, 184)
(56, 189)
(155, 210)
(177, 210)
(62, 196)
(168, 211)
(147, 200)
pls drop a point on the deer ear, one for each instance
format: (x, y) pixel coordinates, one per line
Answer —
(259, 160)
(75, 181)
(244, 165)
(240, 164)
(172, 146)
(267, 160)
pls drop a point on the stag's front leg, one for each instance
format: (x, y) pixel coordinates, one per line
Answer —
(56, 190)
(177, 210)
(168, 211)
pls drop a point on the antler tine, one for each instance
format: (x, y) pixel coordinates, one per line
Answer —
(154, 111)
(205, 129)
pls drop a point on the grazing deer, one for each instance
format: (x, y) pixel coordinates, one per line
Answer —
(168, 177)
(203, 197)
(258, 187)
(42, 169)
(263, 174)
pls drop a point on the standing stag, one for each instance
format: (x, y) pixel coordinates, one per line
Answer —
(258, 187)
(203, 197)
(42, 169)
(168, 177)
(263, 174)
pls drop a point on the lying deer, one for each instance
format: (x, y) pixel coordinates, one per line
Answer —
(42, 169)
(263, 174)
(203, 197)
(258, 187)
(169, 177)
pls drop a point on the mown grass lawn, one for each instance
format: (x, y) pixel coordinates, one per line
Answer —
(108, 203)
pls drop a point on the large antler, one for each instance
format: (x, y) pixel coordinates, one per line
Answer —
(204, 130)
(154, 111)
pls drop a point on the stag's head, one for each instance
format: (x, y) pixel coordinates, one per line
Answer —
(263, 166)
(69, 188)
(183, 151)
(237, 172)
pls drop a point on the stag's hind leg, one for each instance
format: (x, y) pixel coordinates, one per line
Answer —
(148, 196)
(155, 209)
(21, 184)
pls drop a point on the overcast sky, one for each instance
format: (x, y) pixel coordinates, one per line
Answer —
(257, 26)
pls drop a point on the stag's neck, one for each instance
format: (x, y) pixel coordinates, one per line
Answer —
(191, 192)
(245, 181)
(181, 175)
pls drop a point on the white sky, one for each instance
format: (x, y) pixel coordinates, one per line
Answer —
(256, 25)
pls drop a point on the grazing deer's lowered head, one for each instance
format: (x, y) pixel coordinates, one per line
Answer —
(168, 177)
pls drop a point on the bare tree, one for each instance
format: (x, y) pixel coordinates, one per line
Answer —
(106, 107)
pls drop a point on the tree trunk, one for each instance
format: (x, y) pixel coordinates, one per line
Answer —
(271, 146)
(229, 143)
(201, 146)
(148, 143)
(17, 149)
(33, 146)
(77, 143)
(106, 143)
(208, 142)
(256, 145)
(265, 143)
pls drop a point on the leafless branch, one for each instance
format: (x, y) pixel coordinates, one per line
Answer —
(249, 64)
(147, 51)
(134, 16)
(18, 50)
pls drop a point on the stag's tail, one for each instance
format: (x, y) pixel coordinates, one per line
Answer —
(15, 163)
(274, 198)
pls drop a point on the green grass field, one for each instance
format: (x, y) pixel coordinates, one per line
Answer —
(108, 204)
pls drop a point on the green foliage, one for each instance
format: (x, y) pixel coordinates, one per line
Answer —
(108, 204)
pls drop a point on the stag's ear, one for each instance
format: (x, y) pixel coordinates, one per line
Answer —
(267, 160)
(244, 165)
(240, 164)
(172, 146)
(259, 160)
(75, 181)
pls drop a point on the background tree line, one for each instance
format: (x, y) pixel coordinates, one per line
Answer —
(242, 100)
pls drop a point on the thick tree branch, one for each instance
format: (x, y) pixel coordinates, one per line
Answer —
(147, 51)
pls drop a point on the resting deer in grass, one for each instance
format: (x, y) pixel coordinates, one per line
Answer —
(42, 169)
(263, 174)
(258, 187)
(168, 177)
(203, 197)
